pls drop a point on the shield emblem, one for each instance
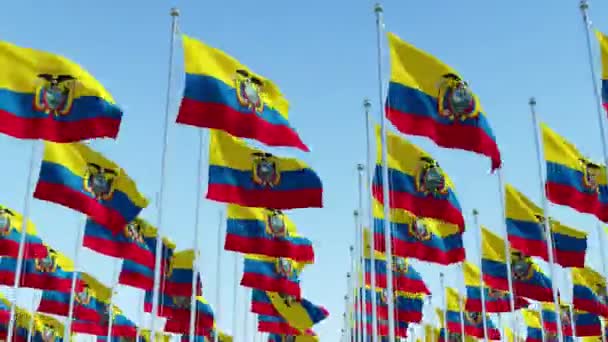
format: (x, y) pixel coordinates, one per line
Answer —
(284, 267)
(265, 171)
(55, 94)
(419, 231)
(384, 296)
(430, 179)
(287, 299)
(83, 297)
(249, 91)
(181, 302)
(47, 264)
(99, 181)
(474, 317)
(275, 225)
(400, 265)
(454, 337)
(48, 334)
(522, 269)
(591, 176)
(494, 293)
(132, 232)
(456, 100)
(5, 223)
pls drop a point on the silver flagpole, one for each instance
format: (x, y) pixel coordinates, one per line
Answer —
(349, 310)
(358, 296)
(246, 299)
(601, 237)
(542, 321)
(26, 215)
(197, 215)
(351, 277)
(163, 171)
(361, 261)
(461, 307)
(584, 6)
(235, 293)
(218, 279)
(482, 288)
(68, 323)
(546, 222)
(368, 172)
(385, 185)
(501, 197)
(115, 275)
(141, 316)
(30, 328)
(445, 308)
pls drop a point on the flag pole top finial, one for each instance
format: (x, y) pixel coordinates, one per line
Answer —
(378, 8)
(174, 12)
(584, 5)
(367, 104)
(532, 101)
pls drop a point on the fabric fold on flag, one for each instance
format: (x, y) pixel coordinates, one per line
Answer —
(405, 276)
(272, 274)
(11, 225)
(495, 300)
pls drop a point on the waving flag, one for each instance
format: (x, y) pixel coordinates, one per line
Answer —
(177, 278)
(267, 232)
(416, 182)
(77, 177)
(250, 177)
(496, 300)
(204, 319)
(47, 96)
(272, 274)
(603, 40)
(428, 98)
(300, 314)
(221, 93)
(586, 324)
(11, 225)
(140, 276)
(526, 232)
(47, 328)
(572, 179)
(421, 238)
(405, 276)
(589, 291)
(528, 279)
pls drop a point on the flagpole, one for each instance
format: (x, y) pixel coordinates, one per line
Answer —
(445, 308)
(385, 185)
(482, 288)
(542, 321)
(235, 292)
(348, 321)
(246, 299)
(32, 318)
(601, 236)
(546, 221)
(218, 277)
(26, 214)
(140, 305)
(75, 272)
(197, 216)
(368, 172)
(361, 262)
(115, 275)
(163, 171)
(352, 280)
(357, 278)
(461, 307)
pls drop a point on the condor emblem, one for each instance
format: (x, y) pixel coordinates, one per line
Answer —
(133, 231)
(48, 333)
(55, 95)
(430, 179)
(181, 302)
(5, 221)
(591, 176)
(99, 181)
(383, 296)
(48, 264)
(400, 265)
(288, 300)
(601, 292)
(265, 172)
(474, 317)
(494, 293)
(521, 267)
(249, 91)
(83, 297)
(419, 230)
(455, 100)
(284, 267)
(275, 224)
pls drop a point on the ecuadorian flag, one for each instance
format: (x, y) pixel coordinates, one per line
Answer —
(416, 182)
(261, 304)
(275, 325)
(408, 306)
(496, 300)
(285, 338)
(533, 326)
(572, 179)
(589, 291)
(416, 237)
(204, 319)
(586, 324)
(221, 93)
(528, 279)
(49, 97)
(77, 177)
(250, 177)
(452, 117)
(47, 328)
(87, 302)
(272, 274)
(405, 276)
(129, 244)
(526, 232)
(603, 40)
(177, 279)
(300, 314)
(11, 223)
(266, 232)
(140, 276)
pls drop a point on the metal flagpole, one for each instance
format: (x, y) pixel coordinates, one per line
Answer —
(26, 215)
(361, 262)
(445, 307)
(352, 297)
(68, 323)
(218, 277)
(461, 308)
(501, 197)
(584, 6)
(542, 322)
(163, 171)
(235, 293)
(601, 237)
(246, 299)
(482, 288)
(115, 275)
(357, 277)
(385, 185)
(141, 315)
(30, 328)
(348, 310)
(368, 172)
(546, 220)
(197, 216)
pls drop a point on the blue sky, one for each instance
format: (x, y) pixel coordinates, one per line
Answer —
(323, 56)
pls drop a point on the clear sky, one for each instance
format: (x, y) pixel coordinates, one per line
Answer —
(323, 56)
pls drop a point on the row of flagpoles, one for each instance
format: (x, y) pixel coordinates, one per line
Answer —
(357, 326)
